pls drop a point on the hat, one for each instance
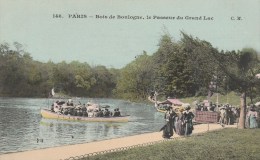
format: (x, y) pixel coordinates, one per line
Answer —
(187, 108)
(181, 109)
(252, 107)
(168, 108)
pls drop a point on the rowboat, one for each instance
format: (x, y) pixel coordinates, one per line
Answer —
(161, 106)
(176, 109)
(161, 110)
(46, 113)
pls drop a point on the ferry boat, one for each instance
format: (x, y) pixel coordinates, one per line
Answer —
(46, 113)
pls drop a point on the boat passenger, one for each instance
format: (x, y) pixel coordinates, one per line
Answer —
(101, 113)
(71, 111)
(79, 112)
(117, 113)
(75, 113)
(56, 109)
(85, 114)
(66, 111)
(114, 115)
(52, 107)
(90, 113)
(55, 106)
(107, 113)
(84, 111)
(70, 102)
(96, 112)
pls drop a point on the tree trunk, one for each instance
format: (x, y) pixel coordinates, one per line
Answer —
(241, 124)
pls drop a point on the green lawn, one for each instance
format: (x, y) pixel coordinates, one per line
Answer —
(225, 144)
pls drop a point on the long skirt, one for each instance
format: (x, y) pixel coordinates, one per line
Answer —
(247, 124)
(188, 128)
(252, 122)
(168, 130)
(179, 127)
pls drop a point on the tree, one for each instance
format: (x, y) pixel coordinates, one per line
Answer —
(25, 77)
(136, 78)
(185, 68)
(241, 67)
(164, 61)
(104, 82)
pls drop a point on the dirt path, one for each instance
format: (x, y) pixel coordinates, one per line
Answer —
(64, 152)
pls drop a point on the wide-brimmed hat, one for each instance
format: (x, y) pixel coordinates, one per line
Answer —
(252, 107)
(181, 109)
(187, 108)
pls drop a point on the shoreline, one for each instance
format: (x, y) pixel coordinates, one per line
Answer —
(64, 152)
(12, 152)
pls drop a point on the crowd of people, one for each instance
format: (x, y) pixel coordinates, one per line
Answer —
(178, 121)
(228, 114)
(181, 121)
(84, 110)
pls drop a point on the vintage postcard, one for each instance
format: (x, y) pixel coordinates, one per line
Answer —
(75, 49)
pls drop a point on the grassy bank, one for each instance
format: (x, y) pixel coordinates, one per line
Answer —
(219, 145)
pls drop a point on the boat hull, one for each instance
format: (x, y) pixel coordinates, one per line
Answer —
(52, 115)
(161, 110)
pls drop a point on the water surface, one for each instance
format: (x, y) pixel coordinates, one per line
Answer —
(21, 124)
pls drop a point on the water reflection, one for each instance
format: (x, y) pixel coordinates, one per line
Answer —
(22, 128)
(63, 132)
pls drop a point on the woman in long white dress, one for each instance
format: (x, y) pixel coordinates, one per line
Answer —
(252, 117)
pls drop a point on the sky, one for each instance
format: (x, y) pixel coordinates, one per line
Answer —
(114, 42)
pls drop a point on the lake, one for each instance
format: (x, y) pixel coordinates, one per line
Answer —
(21, 124)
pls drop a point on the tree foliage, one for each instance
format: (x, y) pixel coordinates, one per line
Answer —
(241, 67)
(21, 76)
(136, 78)
(181, 68)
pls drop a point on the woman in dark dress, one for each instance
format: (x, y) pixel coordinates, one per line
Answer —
(187, 119)
(168, 127)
